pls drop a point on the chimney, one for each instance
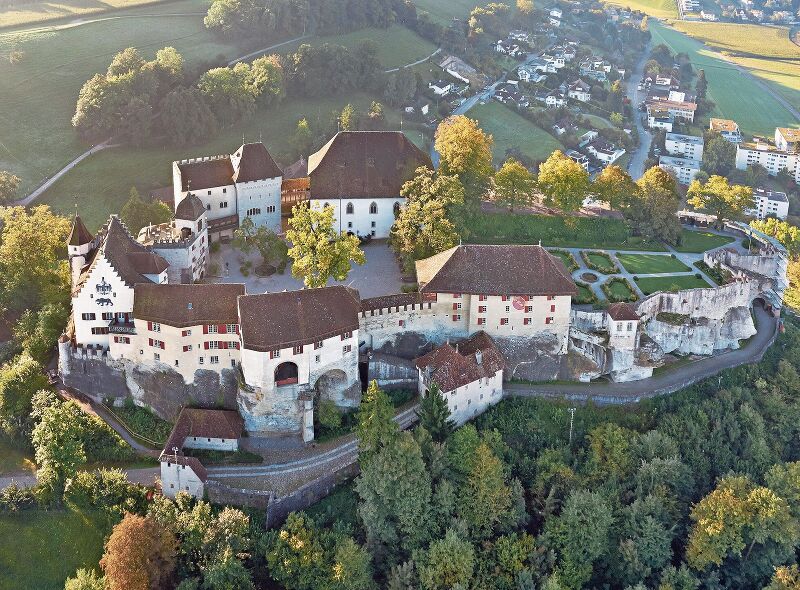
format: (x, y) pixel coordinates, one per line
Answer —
(478, 357)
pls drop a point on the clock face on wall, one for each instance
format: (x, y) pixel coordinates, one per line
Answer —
(519, 302)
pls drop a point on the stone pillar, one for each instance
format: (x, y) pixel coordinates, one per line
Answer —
(308, 420)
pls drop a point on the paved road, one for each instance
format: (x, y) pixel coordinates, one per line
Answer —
(415, 63)
(143, 475)
(664, 383)
(636, 165)
(258, 52)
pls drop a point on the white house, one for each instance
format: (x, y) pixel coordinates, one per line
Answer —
(578, 158)
(604, 151)
(684, 146)
(678, 109)
(684, 169)
(555, 100)
(727, 128)
(787, 140)
(660, 121)
(440, 87)
(767, 203)
(623, 326)
(232, 187)
(216, 430)
(469, 375)
(580, 91)
(359, 174)
(530, 73)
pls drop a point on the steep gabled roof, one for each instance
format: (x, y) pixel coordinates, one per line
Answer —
(254, 163)
(190, 208)
(79, 235)
(495, 270)
(455, 366)
(292, 318)
(181, 306)
(364, 165)
(622, 312)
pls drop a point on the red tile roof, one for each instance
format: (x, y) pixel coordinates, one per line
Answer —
(452, 366)
(182, 306)
(622, 312)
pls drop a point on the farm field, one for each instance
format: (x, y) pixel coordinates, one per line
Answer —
(736, 95)
(397, 45)
(39, 550)
(650, 285)
(651, 263)
(149, 168)
(37, 96)
(38, 12)
(766, 51)
(512, 131)
(700, 241)
(660, 8)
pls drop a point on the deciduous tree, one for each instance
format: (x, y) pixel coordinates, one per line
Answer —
(614, 186)
(267, 79)
(303, 138)
(465, 151)
(185, 117)
(449, 563)
(653, 208)
(563, 182)
(85, 579)
(318, 251)
(9, 183)
(719, 155)
(136, 213)
(376, 426)
(270, 246)
(484, 498)
(58, 442)
(719, 197)
(20, 379)
(514, 185)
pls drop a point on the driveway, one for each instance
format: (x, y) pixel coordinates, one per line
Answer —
(379, 275)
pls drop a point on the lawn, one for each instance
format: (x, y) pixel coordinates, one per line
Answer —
(512, 131)
(13, 458)
(39, 550)
(675, 283)
(567, 258)
(598, 122)
(38, 95)
(149, 168)
(641, 264)
(397, 45)
(660, 8)
(38, 12)
(600, 262)
(563, 232)
(766, 51)
(585, 295)
(617, 289)
(736, 95)
(444, 11)
(700, 241)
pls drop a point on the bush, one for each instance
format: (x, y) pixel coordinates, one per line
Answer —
(14, 498)
(398, 397)
(593, 261)
(143, 422)
(105, 489)
(329, 416)
(615, 295)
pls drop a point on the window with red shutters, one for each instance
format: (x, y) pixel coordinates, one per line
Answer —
(481, 321)
(205, 328)
(527, 321)
(455, 306)
(528, 308)
(456, 295)
(481, 309)
(482, 297)
(503, 321)
(222, 329)
(548, 320)
(116, 338)
(504, 298)
(205, 345)
(150, 326)
(162, 345)
(456, 317)
(150, 342)
(551, 297)
(185, 348)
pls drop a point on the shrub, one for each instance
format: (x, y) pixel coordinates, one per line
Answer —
(14, 498)
(329, 415)
(606, 267)
(143, 422)
(567, 258)
(614, 297)
(106, 489)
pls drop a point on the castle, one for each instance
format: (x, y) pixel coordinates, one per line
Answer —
(142, 327)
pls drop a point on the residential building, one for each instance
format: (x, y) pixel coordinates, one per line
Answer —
(580, 91)
(604, 151)
(727, 128)
(684, 169)
(232, 187)
(440, 87)
(469, 375)
(214, 430)
(359, 174)
(623, 326)
(578, 158)
(531, 73)
(660, 120)
(684, 146)
(767, 155)
(678, 109)
(768, 203)
(509, 48)
(555, 100)
(787, 140)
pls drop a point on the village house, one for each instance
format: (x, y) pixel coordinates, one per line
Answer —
(684, 169)
(727, 128)
(469, 375)
(685, 146)
(440, 87)
(604, 151)
(580, 91)
(232, 187)
(359, 174)
(578, 158)
(678, 109)
(509, 48)
(530, 73)
(555, 100)
(787, 140)
(660, 119)
(214, 430)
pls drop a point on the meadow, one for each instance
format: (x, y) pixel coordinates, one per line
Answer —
(512, 131)
(42, 11)
(700, 241)
(736, 95)
(660, 8)
(651, 263)
(675, 283)
(444, 11)
(766, 51)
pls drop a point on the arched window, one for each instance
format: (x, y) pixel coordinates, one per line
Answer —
(373, 208)
(396, 208)
(349, 209)
(286, 374)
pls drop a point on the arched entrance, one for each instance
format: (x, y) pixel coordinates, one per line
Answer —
(331, 385)
(286, 374)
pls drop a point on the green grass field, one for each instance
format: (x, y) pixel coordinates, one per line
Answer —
(41, 11)
(660, 8)
(650, 285)
(13, 459)
(598, 121)
(38, 95)
(617, 289)
(397, 45)
(585, 295)
(567, 258)
(444, 11)
(600, 262)
(511, 130)
(766, 51)
(700, 241)
(736, 95)
(651, 263)
(39, 550)
(149, 168)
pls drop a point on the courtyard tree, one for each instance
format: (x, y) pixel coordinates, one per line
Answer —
(719, 155)
(719, 197)
(652, 209)
(137, 213)
(139, 555)
(465, 150)
(426, 224)
(318, 251)
(434, 414)
(271, 247)
(9, 183)
(58, 442)
(513, 185)
(614, 186)
(563, 182)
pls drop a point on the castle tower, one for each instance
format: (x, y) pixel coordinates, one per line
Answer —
(79, 244)
(190, 215)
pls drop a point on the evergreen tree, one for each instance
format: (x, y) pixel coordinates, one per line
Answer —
(434, 414)
(376, 426)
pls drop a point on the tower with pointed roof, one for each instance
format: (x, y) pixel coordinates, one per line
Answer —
(79, 244)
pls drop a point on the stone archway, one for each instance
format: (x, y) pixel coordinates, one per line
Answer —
(331, 385)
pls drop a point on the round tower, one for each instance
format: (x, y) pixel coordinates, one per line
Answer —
(79, 245)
